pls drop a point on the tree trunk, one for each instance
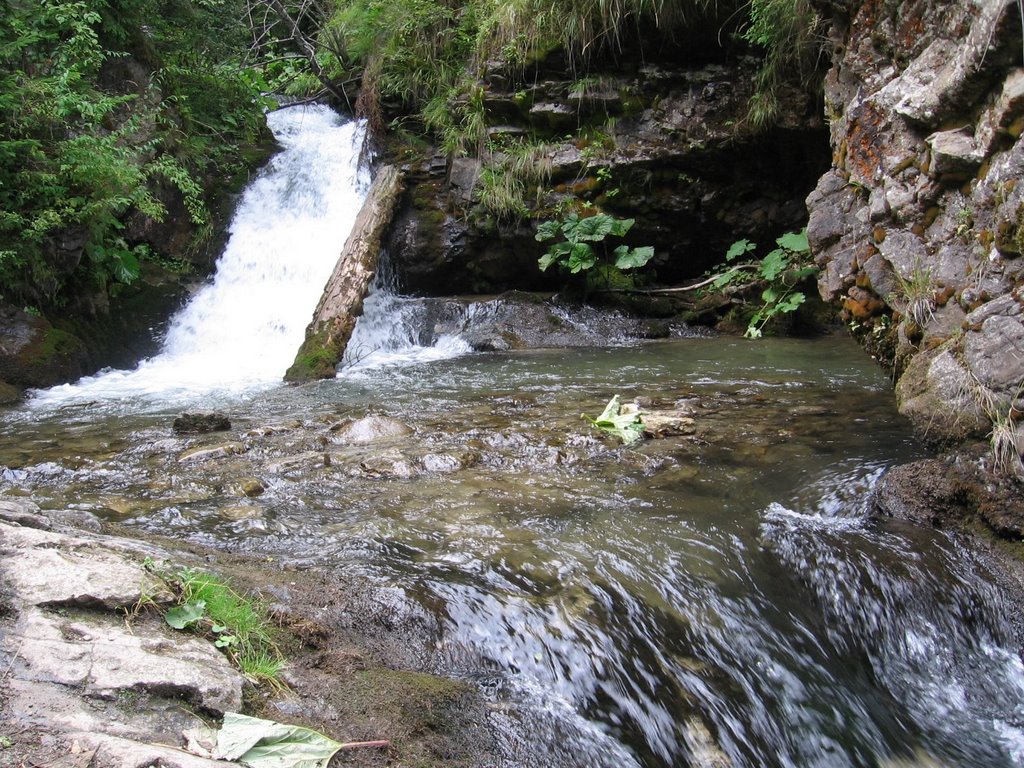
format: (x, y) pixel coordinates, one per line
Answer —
(335, 317)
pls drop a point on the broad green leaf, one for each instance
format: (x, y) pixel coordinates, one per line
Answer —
(774, 264)
(795, 241)
(547, 230)
(800, 274)
(621, 226)
(547, 260)
(569, 225)
(266, 744)
(595, 228)
(725, 278)
(628, 427)
(581, 257)
(769, 294)
(791, 303)
(630, 258)
(182, 615)
(739, 248)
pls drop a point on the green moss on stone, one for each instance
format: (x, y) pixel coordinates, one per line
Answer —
(317, 358)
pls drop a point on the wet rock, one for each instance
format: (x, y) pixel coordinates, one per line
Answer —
(391, 464)
(704, 750)
(443, 463)
(928, 492)
(9, 395)
(668, 423)
(935, 393)
(369, 429)
(198, 423)
(251, 487)
(199, 455)
(35, 354)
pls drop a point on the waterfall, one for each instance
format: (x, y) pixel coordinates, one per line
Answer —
(241, 331)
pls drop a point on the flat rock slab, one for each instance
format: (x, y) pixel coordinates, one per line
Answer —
(80, 668)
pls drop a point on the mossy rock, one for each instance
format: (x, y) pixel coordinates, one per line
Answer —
(9, 394)
(317, 358)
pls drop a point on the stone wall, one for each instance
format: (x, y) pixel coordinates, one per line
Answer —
(919, 225)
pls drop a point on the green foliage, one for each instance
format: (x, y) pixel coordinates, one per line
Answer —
(510, 172)
(102, 104)
(782, 270)
(237, 624)
(576, 252)
(787, 32)
(261, 743)
(623, 422)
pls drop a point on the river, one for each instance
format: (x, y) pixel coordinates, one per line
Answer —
(722, 596)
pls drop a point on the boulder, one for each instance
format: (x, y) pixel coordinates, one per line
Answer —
(198, 423)
(369, 429)
(928, 492)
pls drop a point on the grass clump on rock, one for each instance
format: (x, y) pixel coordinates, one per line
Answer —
(238, 624)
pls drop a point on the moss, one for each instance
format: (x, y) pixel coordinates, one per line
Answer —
(317, 358)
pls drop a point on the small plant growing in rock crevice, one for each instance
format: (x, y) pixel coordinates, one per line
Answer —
(237, 624)
(916, 297)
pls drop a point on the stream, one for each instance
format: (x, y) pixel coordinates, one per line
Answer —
(721, 596)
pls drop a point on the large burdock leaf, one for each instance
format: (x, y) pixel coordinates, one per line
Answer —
(625, 424)
(266, 744)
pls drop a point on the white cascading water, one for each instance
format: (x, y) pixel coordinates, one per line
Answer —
(241, 332)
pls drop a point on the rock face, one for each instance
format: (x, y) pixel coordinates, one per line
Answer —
(919, 225)
(662, 139)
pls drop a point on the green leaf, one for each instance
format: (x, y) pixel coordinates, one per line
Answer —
(791, 303)
(725, 278)
(182, 615)
(630, 258)
(738, 249)
(266, 744)
(547, 260)
(774, 264)
(621, 226)
(581, 257)
(628, 427)
(795, 241)
(547, 230)
(595, 228)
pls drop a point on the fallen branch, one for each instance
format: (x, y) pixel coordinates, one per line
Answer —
(679, 289)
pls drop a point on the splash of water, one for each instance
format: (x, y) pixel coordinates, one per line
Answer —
(240, 332)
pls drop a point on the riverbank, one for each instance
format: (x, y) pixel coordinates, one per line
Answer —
(93, 677)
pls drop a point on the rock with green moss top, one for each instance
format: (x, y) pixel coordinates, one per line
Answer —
(9, 395)
(35, 354)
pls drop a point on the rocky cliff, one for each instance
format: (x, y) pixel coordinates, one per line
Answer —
(919, 225)
(660, 136)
